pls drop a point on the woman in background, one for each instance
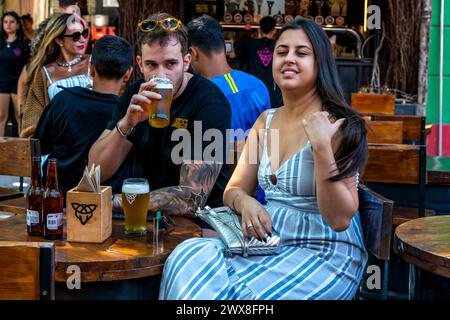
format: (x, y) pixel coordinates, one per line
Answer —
(14, 54)
(59, 61)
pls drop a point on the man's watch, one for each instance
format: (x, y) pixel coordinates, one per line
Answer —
(123, 134)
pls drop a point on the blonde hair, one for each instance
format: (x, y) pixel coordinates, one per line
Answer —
(45, 47)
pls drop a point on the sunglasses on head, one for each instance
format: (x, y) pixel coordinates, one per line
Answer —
(169, 24)
(77, 35)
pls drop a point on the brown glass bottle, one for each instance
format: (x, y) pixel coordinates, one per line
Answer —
(35, 200)
(53, 204)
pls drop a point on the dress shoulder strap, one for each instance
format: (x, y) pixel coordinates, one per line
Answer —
(88, 75)
(47, 74)
(270, 115)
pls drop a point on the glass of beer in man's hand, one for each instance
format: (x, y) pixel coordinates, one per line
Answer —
(159, 115)
(135, 198)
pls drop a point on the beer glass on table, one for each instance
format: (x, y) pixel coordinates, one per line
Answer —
(159, 113)
(135, 198)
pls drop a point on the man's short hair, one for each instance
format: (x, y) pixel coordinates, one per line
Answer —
(161, 35)
(112, 56)
(207, 34)
(67, 3)
(27, 17)
(267, 24)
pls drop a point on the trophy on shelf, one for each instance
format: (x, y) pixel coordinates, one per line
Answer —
(319, 18)
(238, 17)
(302, 10)
(329, 20)
(249, 9)
(270, 4)
(278, 18)
(308, 11)
(290, 8)
(258, 16)
(231, 6)
(340, 21)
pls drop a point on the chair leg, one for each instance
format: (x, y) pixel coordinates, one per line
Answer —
(414, 283)
(21, 184)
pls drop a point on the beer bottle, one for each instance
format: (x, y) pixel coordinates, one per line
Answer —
(34, 200)
(53, 204)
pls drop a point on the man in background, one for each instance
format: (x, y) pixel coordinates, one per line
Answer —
(247, 95)
(77, 116)
(255, 57)
(68, 6)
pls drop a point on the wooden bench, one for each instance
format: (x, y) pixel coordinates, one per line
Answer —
(373, 103)
(400, 162)
(28, 271)
(16, 156)
(385, 132)
(413, 128)
(402, 165)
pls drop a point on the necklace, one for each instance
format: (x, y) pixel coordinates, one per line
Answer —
(69, 64)
(8, 43)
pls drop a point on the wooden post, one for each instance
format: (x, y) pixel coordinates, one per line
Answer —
(422, 90)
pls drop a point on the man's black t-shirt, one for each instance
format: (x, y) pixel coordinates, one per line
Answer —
(255, 57)
(200, 101)
(68, 127)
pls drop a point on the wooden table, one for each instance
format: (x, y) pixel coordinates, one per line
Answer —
(424, 244)
(119, 258)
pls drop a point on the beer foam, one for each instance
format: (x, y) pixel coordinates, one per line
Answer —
(135, 188)
(162, 85)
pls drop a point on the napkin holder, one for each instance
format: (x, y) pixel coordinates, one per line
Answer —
(89, 215)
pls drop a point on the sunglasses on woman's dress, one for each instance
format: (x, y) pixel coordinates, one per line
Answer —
(169, 24)
(77, 35)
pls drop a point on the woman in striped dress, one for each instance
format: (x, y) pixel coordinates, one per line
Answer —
(309, 154)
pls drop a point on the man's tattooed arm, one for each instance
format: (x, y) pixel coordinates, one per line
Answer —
(196, 183)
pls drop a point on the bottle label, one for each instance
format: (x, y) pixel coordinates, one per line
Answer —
(32, 218)
(54, 221)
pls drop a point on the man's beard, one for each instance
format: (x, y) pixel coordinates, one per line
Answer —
(177, 86)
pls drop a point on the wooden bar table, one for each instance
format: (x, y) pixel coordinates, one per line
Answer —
(123, 267)
(425, 244)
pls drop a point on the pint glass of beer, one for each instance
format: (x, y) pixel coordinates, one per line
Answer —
(135, 197)
(159, 115)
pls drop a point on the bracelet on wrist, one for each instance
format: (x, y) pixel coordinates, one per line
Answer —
(123, 134)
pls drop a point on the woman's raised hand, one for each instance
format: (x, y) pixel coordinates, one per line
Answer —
(319, 129)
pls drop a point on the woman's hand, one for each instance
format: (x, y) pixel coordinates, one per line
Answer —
(255, 220)
(319, 129)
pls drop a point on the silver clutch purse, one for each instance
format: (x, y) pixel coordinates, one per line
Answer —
(226, 223)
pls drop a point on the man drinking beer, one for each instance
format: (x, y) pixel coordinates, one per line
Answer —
(175, 188)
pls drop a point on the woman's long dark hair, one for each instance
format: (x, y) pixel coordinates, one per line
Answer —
(23, 42)
(351, 155)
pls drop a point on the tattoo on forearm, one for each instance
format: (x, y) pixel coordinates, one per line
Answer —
(196, 183)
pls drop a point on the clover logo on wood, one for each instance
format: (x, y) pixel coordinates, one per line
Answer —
(84, 212)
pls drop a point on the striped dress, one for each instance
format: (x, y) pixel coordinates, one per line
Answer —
(315, 263)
